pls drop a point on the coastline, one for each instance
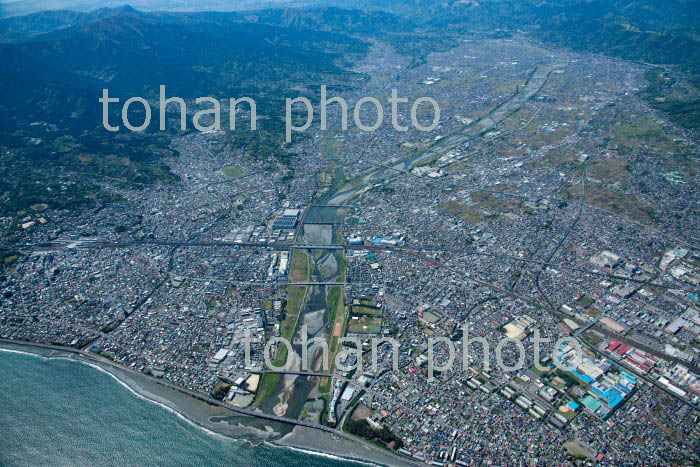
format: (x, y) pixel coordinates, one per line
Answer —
(200, 414)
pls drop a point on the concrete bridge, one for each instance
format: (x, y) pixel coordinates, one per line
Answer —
(333, 246)
(299, 373)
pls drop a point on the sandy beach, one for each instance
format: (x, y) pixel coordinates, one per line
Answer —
(313, 440)
(216, 420)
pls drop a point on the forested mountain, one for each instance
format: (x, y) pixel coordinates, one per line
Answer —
(55, 63)
(51, 83)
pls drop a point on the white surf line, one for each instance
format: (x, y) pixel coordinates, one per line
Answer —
(185, 418)
(129, 388)
(322, 454)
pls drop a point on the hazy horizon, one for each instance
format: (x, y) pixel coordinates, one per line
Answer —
(11, 8)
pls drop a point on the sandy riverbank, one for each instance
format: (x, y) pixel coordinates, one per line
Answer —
(210, 417)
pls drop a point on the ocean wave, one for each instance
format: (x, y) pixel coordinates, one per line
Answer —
(183, 417)
(323, 454)
(127, 387)
(22, 352)
(156, 402)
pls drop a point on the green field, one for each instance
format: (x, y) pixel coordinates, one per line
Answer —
(296, 294)
(615, 201)
(336, 317)
(336, 304)
(365, 310)
(365, 324)
(610, 169)
(469, 214)
(324, 178)
(493, 203)
(299, 268)
(232, 171)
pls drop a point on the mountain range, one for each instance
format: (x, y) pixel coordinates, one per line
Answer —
(55, 63)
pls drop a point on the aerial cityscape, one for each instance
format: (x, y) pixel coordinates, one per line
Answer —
(508, 276)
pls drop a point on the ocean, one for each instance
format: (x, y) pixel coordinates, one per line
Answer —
(64, 413)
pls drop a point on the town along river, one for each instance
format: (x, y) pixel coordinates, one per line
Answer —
(385, 173)
(296, 396)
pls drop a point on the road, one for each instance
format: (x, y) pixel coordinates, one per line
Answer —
(336, 246)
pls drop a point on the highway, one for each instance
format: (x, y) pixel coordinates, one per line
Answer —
(337, 246)
(254, 283)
